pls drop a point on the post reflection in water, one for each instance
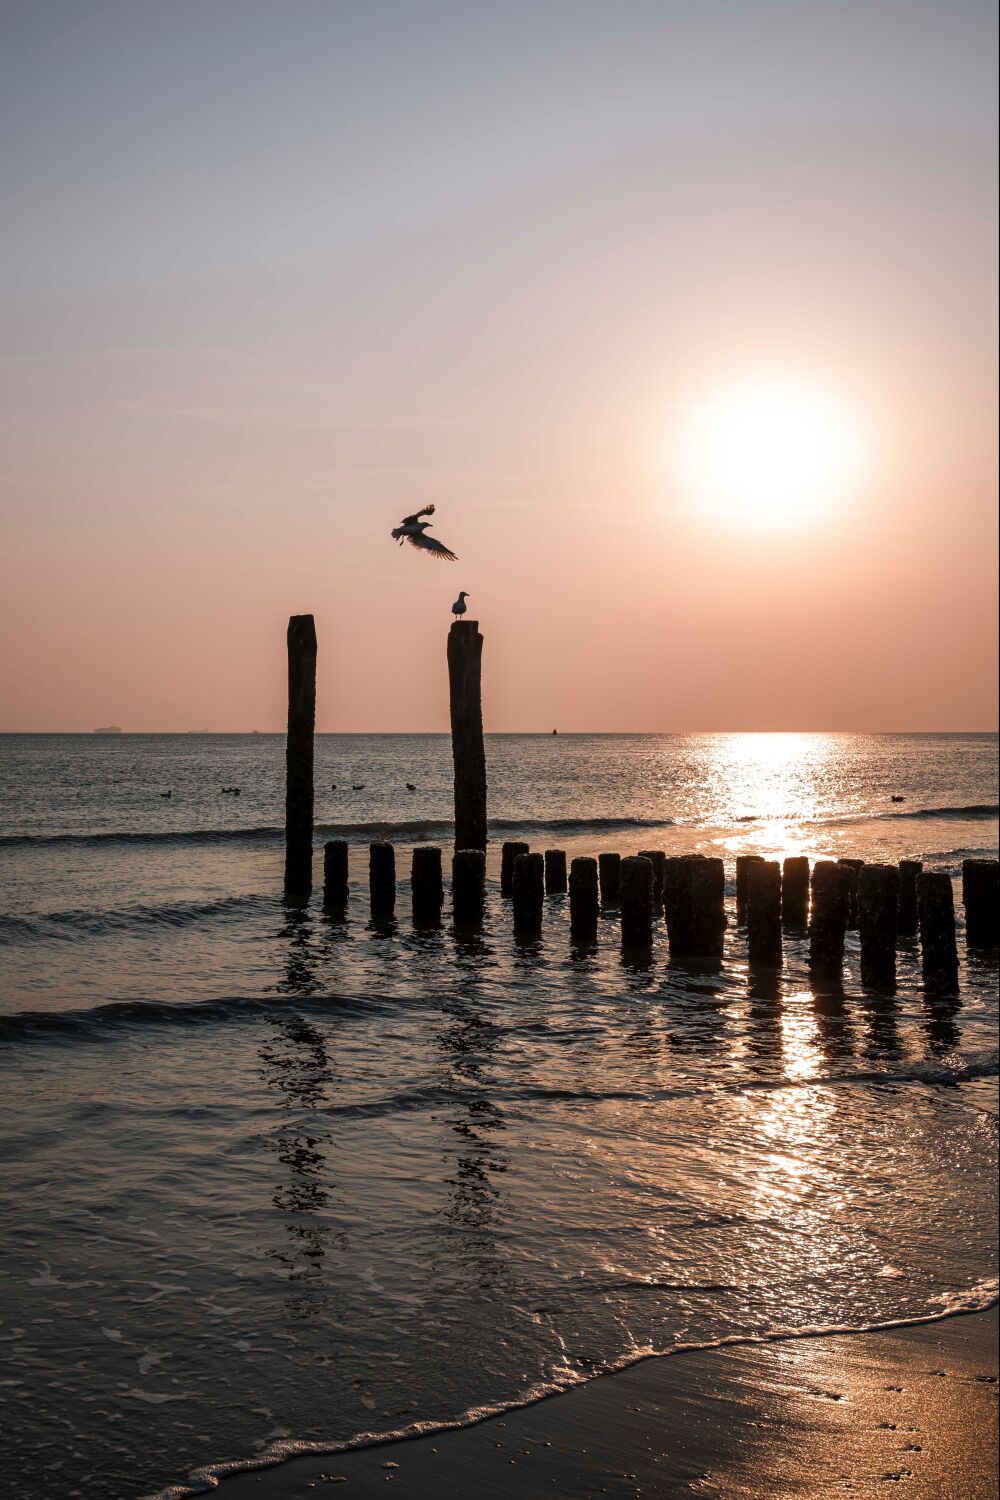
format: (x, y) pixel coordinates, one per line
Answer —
(474, 1203)
(880, 1014)
(297, 1068)
(940, 1029)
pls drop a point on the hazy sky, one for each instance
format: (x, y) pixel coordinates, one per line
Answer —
(274, 274)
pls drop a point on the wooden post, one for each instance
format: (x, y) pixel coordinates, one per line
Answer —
(636, 896)
(555, 872)
(465, 653)
(508, 854)
(764, 913)
(299, 755)
(528, 892)
(852, 890)
(658, 860)
(795, 891)
(708, 907)
(878, 915)
(743, 863)
(426, 885)
(382, 879)
(938, 947)
(468, 886)
(335, 886)
(909, 869)
(981, 899)
(677, 905)
(583, 903)
(609, 867)
(831, 899)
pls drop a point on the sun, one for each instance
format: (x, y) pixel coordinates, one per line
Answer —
(773, 453)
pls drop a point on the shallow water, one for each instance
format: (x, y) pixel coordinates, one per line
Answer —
(273, 1177)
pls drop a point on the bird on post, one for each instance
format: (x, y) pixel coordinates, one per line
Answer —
(458, 608)
(412, 529)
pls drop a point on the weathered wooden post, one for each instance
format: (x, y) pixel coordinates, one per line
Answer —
(831, 899)
(583, 903)
(508, 854)
(528, 892)
(743, 863)
(555, 872)
(981, 899)
(878, 909)
(909, 869)
(795, 891)
(426, 884)
(938, 947)
(335, 887)
(468, 886)
(708, 907)
(764, 913)
(299, 755)
(854, 865)
(635, 891)
(382, 879)
(465, 655)
(609, 868)
(677, 905)
(658, 860)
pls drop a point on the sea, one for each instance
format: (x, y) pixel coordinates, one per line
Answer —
(276, 1179)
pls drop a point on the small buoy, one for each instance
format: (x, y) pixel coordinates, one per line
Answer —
(333, 786)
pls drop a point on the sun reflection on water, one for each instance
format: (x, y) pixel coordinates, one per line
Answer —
(784, 780)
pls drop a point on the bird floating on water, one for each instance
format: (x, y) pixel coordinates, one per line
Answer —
(458, 608)
(358, 786)
(411, 786)
(411, 529)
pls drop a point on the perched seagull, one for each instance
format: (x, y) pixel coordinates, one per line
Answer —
(411, 529)
(458, 608)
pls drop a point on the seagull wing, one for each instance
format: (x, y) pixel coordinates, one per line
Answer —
(432, 545)
(428, 510)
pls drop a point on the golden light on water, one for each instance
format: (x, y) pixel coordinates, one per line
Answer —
(770, 453)
(773, 778)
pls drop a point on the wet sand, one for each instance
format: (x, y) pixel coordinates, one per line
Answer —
(913, 1410)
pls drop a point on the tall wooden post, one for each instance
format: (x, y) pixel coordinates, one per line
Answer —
(465, 654)
(299, 755)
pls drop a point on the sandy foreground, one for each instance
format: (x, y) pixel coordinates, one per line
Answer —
(911, 1412)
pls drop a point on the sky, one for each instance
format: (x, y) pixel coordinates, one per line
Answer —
(682, 315)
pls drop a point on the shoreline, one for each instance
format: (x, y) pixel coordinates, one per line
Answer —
(801, 1414)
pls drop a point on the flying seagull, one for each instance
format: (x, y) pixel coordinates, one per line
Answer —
(458, 608)
(411, 529)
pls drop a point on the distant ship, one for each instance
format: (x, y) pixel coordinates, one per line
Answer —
(108, 729)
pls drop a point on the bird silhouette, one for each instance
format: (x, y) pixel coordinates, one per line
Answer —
(412, 529)
(458, 608)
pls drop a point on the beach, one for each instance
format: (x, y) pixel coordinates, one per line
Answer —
(281, 1176)
(853, 1414)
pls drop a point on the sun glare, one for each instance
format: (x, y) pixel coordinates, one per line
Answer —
(773, 454)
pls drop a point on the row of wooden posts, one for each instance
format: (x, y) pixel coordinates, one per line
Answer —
(882, 902)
